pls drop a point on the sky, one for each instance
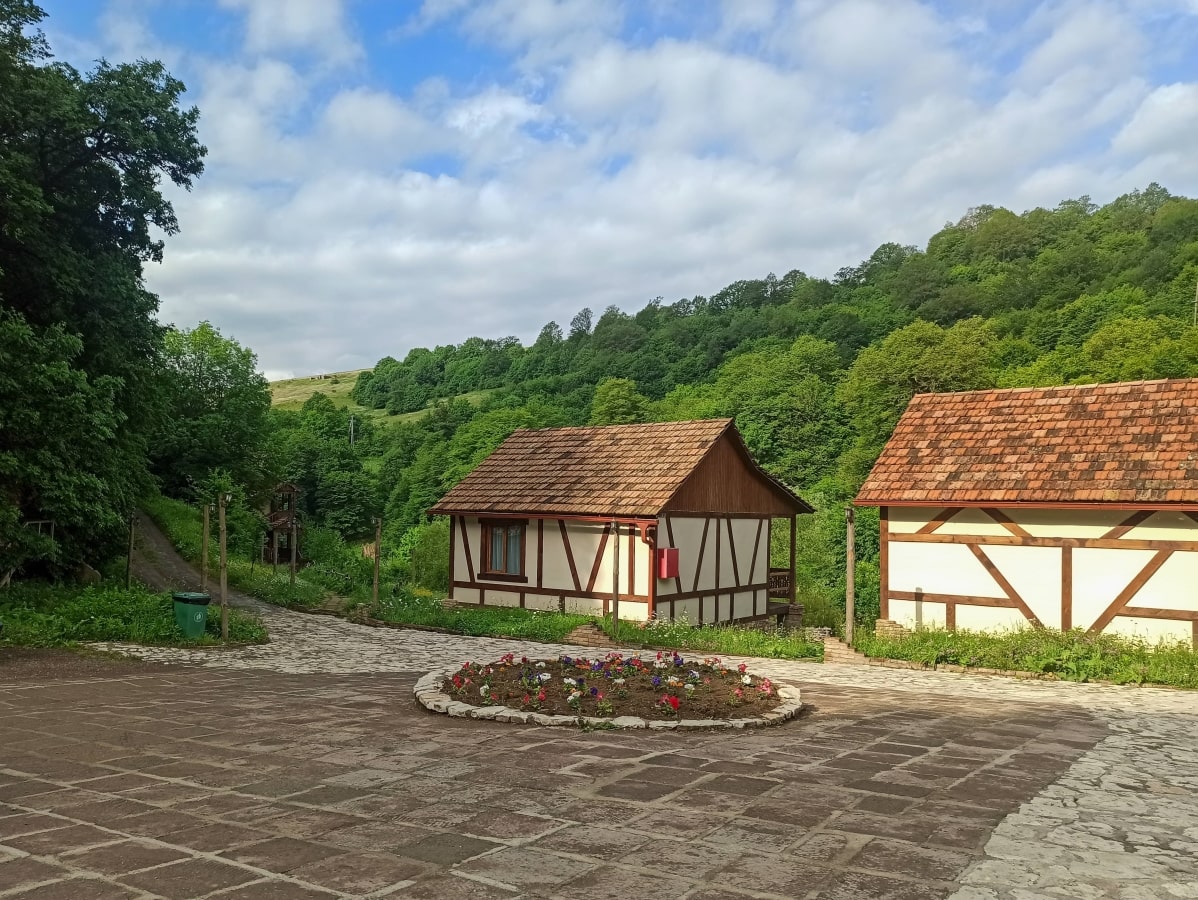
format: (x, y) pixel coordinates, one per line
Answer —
(389, 174)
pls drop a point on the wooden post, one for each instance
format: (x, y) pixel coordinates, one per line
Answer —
(129, 559)
(224, 569)
(378, 542)
(850, 580)
(204, 551)
(294, 541)
(615, 579)
(794, 533)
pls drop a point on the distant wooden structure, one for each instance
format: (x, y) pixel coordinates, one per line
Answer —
(282, 523)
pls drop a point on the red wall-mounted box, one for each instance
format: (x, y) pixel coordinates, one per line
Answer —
(667, 562)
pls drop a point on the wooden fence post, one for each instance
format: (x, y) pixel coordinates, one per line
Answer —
(224, 568)
(204, 551)
(129, 560)
(850, 581)
(294, 541)
(378, 542)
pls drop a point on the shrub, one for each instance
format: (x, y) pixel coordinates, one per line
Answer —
(45, 615)
(1072, 655)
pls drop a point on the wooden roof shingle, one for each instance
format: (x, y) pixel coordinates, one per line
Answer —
(609, 470)
(1128, 443)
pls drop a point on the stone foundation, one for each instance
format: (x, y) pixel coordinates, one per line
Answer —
(890, 630)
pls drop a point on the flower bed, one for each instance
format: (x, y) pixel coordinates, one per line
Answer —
(628, 691)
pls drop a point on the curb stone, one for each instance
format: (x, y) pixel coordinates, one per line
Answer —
(428, 694)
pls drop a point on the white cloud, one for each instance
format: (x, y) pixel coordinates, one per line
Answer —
(319, 26)
(601, 168)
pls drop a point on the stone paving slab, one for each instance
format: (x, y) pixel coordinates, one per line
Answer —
(112, 780)
(895, 783)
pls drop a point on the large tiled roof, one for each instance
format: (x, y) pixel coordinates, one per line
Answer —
(611, 470)
(1128, 443)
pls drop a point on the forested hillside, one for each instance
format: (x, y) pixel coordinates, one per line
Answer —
(815, 371)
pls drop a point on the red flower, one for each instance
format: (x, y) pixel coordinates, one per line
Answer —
(541, 696)
(672, 700)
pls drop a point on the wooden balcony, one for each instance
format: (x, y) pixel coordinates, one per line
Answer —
(780, 581)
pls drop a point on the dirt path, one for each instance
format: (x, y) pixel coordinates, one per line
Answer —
(158, 565)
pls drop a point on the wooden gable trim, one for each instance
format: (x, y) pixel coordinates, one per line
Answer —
(793, 502)
(1190, 509)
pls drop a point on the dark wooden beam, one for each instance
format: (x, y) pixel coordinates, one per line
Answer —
(598, 558)
(1007, 587)
(569, 555)
(1150, 568)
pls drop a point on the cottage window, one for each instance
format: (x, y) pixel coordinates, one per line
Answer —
(503, 548)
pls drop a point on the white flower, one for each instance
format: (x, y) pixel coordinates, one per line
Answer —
(540, 665)
(543, 677)
(484, 689)
(746, 679)
(659, 665)
(690, 687)
(617, 681)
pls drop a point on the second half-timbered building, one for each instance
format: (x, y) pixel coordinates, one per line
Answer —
(1065, 507)
(672, 520)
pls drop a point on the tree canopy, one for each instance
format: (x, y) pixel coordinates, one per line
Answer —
(83, 157)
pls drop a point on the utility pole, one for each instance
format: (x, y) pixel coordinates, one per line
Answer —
(615, 580)
(129, 559)
(204, 551)
(294, 541)
(850, 585)
(224, 567)
(378, 542)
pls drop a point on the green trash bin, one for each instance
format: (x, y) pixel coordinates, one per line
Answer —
(191, 613)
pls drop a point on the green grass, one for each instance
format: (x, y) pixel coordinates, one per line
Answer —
(727, 640)
(291, 394)
(36, 614)
(183, 525)
(1072, 655)
(412, 608)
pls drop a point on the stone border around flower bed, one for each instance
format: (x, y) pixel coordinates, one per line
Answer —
(428, 694)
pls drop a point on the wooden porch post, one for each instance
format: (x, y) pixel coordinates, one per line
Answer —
(652, 534)
(850, 580)
(794, 529)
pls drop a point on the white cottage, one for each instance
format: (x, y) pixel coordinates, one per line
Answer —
(539, 524)
(1066, 507)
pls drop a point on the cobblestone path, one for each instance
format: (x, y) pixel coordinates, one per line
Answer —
(898, 784)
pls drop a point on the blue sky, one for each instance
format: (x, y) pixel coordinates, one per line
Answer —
(386, 174)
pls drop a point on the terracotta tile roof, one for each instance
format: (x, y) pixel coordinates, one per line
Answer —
(1129, 443)
(621, 470)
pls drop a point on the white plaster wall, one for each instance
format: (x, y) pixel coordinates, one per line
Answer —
(939, 569)
(1099, 574)
(688, 537)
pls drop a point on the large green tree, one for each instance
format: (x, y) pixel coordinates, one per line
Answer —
(82, 160)
(217, 411)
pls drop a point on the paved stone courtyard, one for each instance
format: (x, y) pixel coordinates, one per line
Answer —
(305, 769)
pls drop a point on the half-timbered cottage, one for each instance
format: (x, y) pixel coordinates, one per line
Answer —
(672, 520)
(1068, 507)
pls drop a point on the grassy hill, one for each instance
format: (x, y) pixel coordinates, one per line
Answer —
(291, 394)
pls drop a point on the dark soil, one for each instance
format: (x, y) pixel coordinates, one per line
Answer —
(616, 685)
(30, 664)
